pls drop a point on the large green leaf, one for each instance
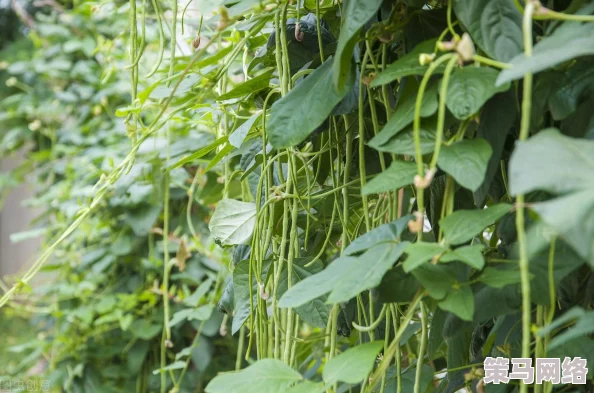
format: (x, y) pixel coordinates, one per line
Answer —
(346, 277)
(469, 88)
(407, 65)
(577, 84)
(354, 365)
(355, 14)
(294, 117)
(318, 284)
(568, 41)
(264, 376)
(405, 110)
(462, 225)
(201, 313)
(499, 278)
(419, 253)
(241, 292)
(384, 233)
(496, 119)
(470, 255)
(495, 25)
(250, 86)
(316, 311)
(466, 161)
(397, 286)
(404, 142)
(460, 302)
(233, 221)
(238, 136)
(368, 273)
(572, 217)
(584, 325)
(436, 279)
(552, 162)
(559, 164)
(398, 175)
(307, 387)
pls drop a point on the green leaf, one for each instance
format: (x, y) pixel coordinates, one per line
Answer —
(577, 84)
(492, 302)
(353, 365)
(233, 222)
(568, 41)
(462, 225)
(436, 279)
(238, 136)
(459, 301)
(405, 111)
(397, 286)
(551, 162)
(250, 86)
(316, 311)
(368, 273)
(307, 387)
(496, 119)
(499, 278)
(173, 366)
(572, 216)
(398, 175)
(318, 284)
(264, 376)
(404, 141)
(469, 89)
(470, 255)
(466, 161)
(584, 319)
(222, 154)
(384, 233)
(346, 277)
(559, 164)
(419, 253)
(495, 26)
(407, 65)
(201, 313)
(305, 108)
(144, 329)
(356, 14)
(241, 292)
(199, 154)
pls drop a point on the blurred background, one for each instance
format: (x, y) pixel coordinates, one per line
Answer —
(91, 320)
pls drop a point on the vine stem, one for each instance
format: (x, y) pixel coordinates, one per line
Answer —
(422, 348)
(442, 110)
(166, 337)
(524, 130)
(417, 131)
(548, 14)
(491, 62)
(391, 350)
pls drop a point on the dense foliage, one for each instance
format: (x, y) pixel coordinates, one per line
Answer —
(367, 195)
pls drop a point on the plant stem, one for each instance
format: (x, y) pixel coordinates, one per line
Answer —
(524, 130)
(422, 347)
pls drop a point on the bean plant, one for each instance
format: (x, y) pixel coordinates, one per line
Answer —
(307, 196)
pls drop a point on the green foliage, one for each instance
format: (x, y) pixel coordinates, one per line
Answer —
(374, 212)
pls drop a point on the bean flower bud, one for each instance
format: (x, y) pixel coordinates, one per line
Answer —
(424, 182)
(11, 82)
(426, 58)
(465, 48)
(416, 225)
